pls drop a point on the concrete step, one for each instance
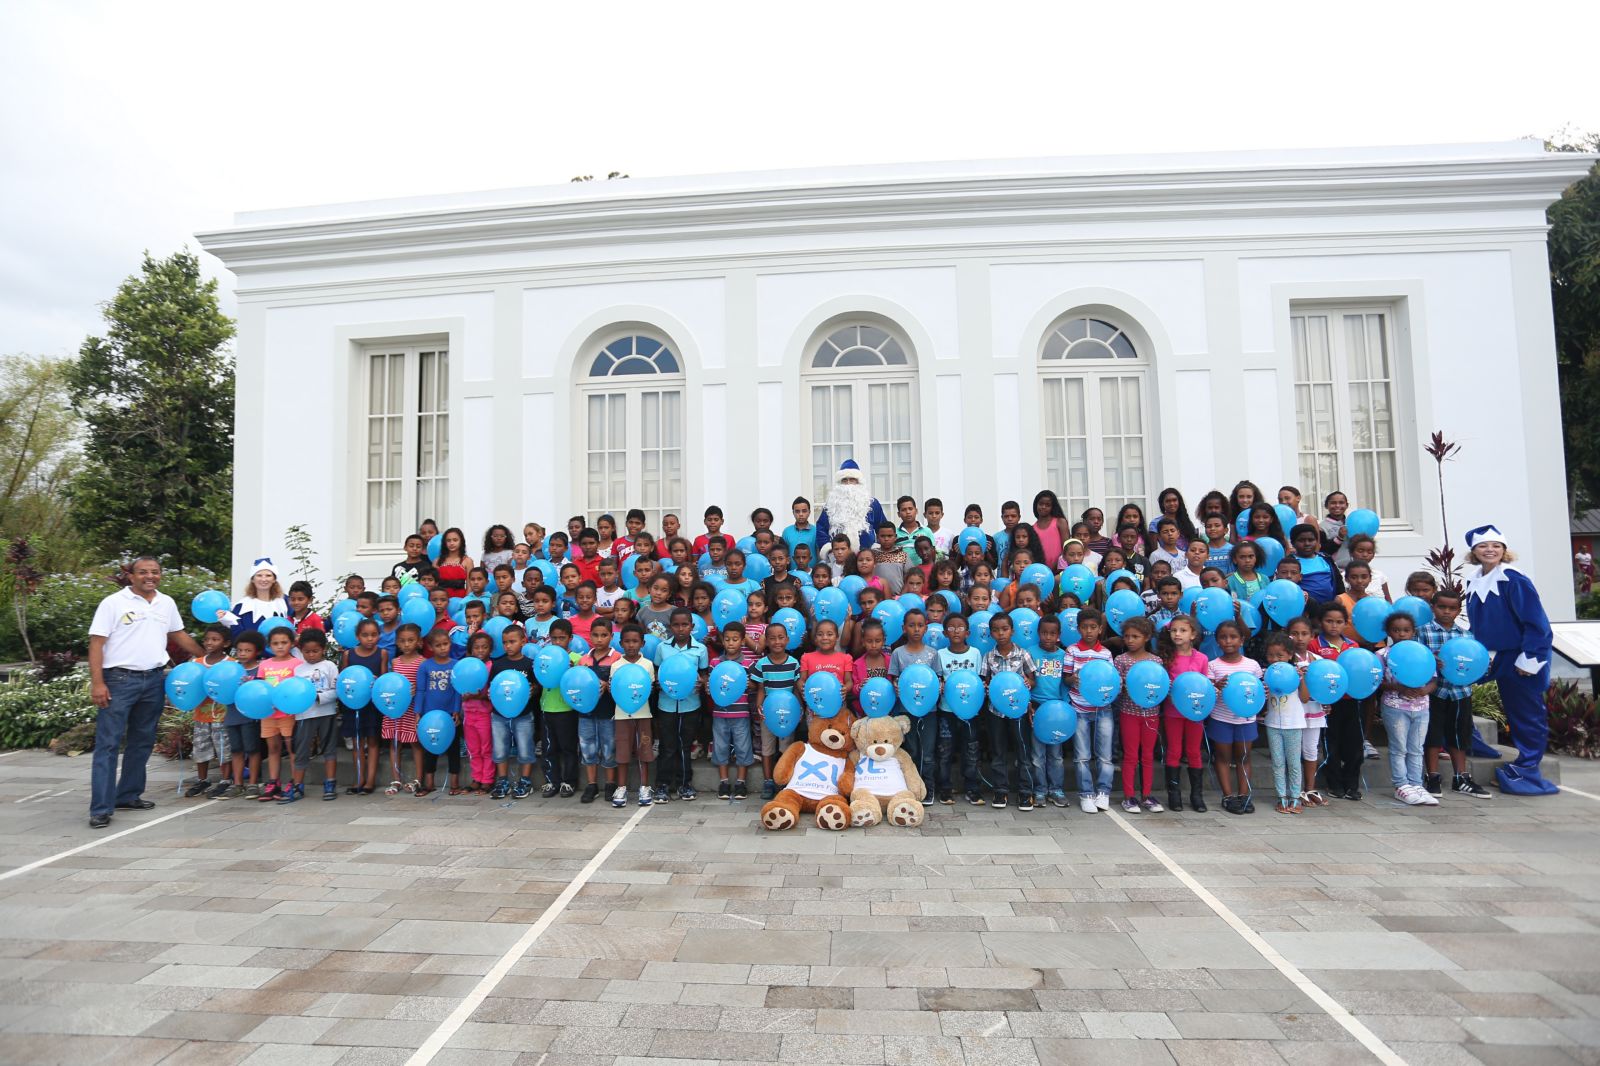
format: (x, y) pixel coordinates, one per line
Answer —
(1483, 768)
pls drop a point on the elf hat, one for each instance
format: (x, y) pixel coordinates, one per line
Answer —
(264, 563)
(1482, 533)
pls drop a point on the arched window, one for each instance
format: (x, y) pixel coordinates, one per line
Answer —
(631, 424)
(860, 388)
(1094, 411)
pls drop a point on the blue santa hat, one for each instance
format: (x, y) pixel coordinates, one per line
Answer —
(1481, 533)
(849, 467)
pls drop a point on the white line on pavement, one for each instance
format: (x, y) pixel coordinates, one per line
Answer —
(19, 871)
(474, 999)
(35, 795)
(1335, 1010)
(1578, 792)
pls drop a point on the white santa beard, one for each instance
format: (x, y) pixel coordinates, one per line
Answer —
(848, 506)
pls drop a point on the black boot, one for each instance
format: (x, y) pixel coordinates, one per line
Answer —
(1197, 790)
(1174, 789)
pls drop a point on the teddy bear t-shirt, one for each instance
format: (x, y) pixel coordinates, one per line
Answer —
(816, 775)
(881, 777)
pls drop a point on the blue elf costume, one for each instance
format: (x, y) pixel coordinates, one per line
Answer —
(1508, 619)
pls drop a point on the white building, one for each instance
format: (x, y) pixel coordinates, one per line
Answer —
(976, 331)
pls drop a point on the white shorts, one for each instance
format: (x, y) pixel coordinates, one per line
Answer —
(1311, 740)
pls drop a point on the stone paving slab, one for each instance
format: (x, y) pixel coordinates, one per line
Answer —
(343, 933)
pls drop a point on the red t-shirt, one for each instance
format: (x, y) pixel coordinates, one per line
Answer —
(588, 569)
(838, 664)
(312, 620)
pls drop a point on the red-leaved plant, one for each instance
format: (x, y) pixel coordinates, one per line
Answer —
(1443, 560)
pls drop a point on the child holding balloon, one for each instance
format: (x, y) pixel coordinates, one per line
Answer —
(1182, 735)
(434, 692)
(1050, 668)
(731, 730)
(1404, 706)
(316, 727)
(958, 734)
(1285, 720)
(1231, 733)
(210, 732)
(403, 730)
(363, 724)
(516, 733)
(1343, 768)
(277, 729)
(1449, 708)
(1316, 715)
(597, 730)
(1139, 724)
(922, 738)
(477, 717)
(1008, 736)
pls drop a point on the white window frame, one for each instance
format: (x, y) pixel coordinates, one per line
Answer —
(1344, 453)
(1092, 372)
(860, 380)
(410, 417)
(632, 388)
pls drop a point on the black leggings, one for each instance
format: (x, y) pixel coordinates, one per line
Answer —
(561, 731)
(452, 756)
(1345, 750)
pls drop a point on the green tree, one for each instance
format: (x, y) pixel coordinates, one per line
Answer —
(38, 457)
(156, 395)
(1574, 240)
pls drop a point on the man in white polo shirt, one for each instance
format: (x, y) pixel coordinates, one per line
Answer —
(127, 662)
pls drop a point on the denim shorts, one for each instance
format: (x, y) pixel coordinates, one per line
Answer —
(731, 736)
(244, 739)
(597, 739)
(513, 735)
(1231, 732)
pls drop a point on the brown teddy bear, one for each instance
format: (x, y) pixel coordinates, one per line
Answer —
(817, 776)
(884, 774)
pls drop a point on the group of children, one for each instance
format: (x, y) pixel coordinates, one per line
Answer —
(609, 598)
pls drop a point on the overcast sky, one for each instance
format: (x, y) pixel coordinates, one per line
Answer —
(133, 125)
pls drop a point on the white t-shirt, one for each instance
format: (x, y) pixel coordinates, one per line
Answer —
(816, 775)
(881, 777)
(135, 630)
(1187, 578)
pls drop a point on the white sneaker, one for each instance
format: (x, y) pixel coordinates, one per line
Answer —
(1426, 798)
(1408, 794)
(1102, 801)
(1087, 806)
(619, 798)
(646, 797)
(1368, 751)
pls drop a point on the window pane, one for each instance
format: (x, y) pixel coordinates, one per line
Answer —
(425, 389)
(844, 427)
(650, 420)
(1110, 407)
(396, 380)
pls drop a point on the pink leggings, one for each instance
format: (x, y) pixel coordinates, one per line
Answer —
(1183, 740)
(1139, 734)
(480, 743)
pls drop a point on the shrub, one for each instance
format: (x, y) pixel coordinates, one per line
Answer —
(1574, 720)
(1589, 606)
(33, 713)
(175, 734)
(60, 612)
(1486, 704)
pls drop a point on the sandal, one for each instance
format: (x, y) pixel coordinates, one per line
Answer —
(422, 791)
(456, 790)
(413, 786)
(1284, 808)
(393, 789)
(368, 790)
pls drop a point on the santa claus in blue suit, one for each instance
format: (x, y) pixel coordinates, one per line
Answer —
(850, 509)
(1509, 620)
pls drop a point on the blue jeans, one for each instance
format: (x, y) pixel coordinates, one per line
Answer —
(597, 741)
(1095, 730)
(1284, 744)
(1407, 734)
(513, 736)
(1049, 768)
(134, 712)
(956, 736)
(922, 744)
(1011, 742)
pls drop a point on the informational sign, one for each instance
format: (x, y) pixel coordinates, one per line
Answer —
(1578, 642)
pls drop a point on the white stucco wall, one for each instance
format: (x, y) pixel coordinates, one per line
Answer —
(972, 268)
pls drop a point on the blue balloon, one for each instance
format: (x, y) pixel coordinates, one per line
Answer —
(1369, 615)
(1122, 605)
(729, 606)
(1284, 601)
(344, 629)
(745, 544)
(934, 637)
(951, 599)
(1286, 516)
(279, 622)
(1282, 679)
(254, 699)
(1361, 522)
(1241, 524)
(509, 692)
(549, 663)
(757, 568)
(459, 637)
(1078, 580)
(971, 535)
(978, 631)
(1411, 663)
(651, 643)
(808, 594)
(580, 689)
(630, 580)
(469, 675)
(831, 605)
(1148, 683)
(892, 615)
(186, 686)
(1363, 671)
(851, 585)
(678, 676)
(963, 694)
(1416, 607)
(729, 683)
(780, 711)
(1039, 576)
(496, 626)
(1326, 681)
(1194, 695)
(1249, 617)
(1098, 683)
(411, 590)
(391, 694)
(1462, 660)
(582, 647)
(1209, 648)
(910, 601)
(697, 628)
(457, 608)
(824, 695)
(344, 607)
(1186, 600)
(1127, 577)
(1244, 694)
(222, 680)
(919, 689)
(1069, 625)
(794, 624)
(436, 731)
(206, 605)
(1008, 694)
(435, 547)
(547, 570)
(293, 695)
(1025, 622)
(1212, 607)
(877, 697)
(1271, 555)
(419, 613)
(1054, 722)
(355, 686)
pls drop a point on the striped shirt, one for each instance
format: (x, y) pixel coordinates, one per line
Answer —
(1080, 655)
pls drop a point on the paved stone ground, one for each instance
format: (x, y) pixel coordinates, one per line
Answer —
(346, 932)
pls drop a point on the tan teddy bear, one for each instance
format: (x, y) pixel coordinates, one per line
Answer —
(884, 774)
